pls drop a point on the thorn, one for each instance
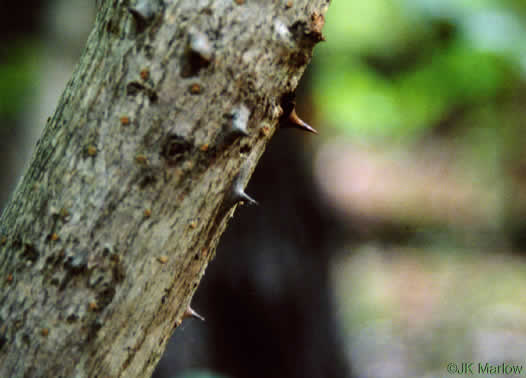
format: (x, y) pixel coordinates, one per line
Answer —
(296, 122)
(190, 313)
(238, 189)
(239, 195)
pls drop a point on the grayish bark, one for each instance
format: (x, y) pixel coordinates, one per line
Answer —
(110, 229)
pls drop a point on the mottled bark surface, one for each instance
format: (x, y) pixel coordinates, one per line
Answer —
(110, 229)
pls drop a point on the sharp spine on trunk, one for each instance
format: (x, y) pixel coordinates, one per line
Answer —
(237, 193)
(296, 122)
(238, 188)
(190, 313)
(289, 118)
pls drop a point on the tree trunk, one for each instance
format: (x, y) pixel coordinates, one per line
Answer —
(113, 224)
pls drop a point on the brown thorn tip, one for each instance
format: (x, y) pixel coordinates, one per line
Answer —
(299, 123)
(190, 313)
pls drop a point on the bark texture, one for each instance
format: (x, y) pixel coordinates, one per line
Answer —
(113, 224)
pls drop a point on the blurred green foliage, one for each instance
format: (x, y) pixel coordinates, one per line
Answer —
(19, 81)
(396, 68)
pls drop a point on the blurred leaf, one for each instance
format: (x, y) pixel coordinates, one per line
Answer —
(18, 73)
(360, 99)
(365, 26)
